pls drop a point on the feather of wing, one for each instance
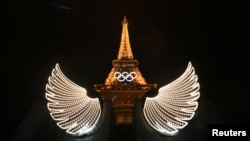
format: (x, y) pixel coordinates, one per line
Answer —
(70, 105)
(174, 104)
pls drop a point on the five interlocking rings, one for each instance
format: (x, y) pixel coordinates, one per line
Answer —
(121, 77)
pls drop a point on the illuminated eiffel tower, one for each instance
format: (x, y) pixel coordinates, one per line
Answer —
(125, 82)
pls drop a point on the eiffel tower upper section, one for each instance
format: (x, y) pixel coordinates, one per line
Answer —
(125, 82)
(125, 73)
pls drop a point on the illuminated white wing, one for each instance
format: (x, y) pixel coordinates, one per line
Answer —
(70, 106)
(174, 104)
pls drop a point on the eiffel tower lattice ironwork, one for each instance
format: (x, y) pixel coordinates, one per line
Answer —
(125, 82)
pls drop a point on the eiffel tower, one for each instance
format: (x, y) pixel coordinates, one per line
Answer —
(125, 82)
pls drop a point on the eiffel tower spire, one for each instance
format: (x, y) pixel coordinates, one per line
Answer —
(125, 49)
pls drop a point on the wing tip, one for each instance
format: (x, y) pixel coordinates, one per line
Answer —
(189, 63)
(57, 67)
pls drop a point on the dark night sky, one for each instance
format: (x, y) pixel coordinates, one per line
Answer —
(84, 37)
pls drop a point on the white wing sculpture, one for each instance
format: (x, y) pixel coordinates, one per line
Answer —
(174, 104)
(70, 106)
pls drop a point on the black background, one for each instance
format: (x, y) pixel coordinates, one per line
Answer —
(84, 37)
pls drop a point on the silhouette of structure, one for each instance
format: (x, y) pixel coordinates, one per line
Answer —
(125, 82)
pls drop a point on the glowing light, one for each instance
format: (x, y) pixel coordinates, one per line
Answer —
(70, 106)
(121, 77)
(174, 104)
(125, 49)
(125, 60)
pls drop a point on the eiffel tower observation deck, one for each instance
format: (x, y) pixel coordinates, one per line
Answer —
(125, 82)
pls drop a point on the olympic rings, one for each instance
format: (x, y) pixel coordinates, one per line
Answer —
(125, 76)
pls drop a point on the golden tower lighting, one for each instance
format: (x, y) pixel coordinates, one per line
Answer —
(167, 112)
(125, 82)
